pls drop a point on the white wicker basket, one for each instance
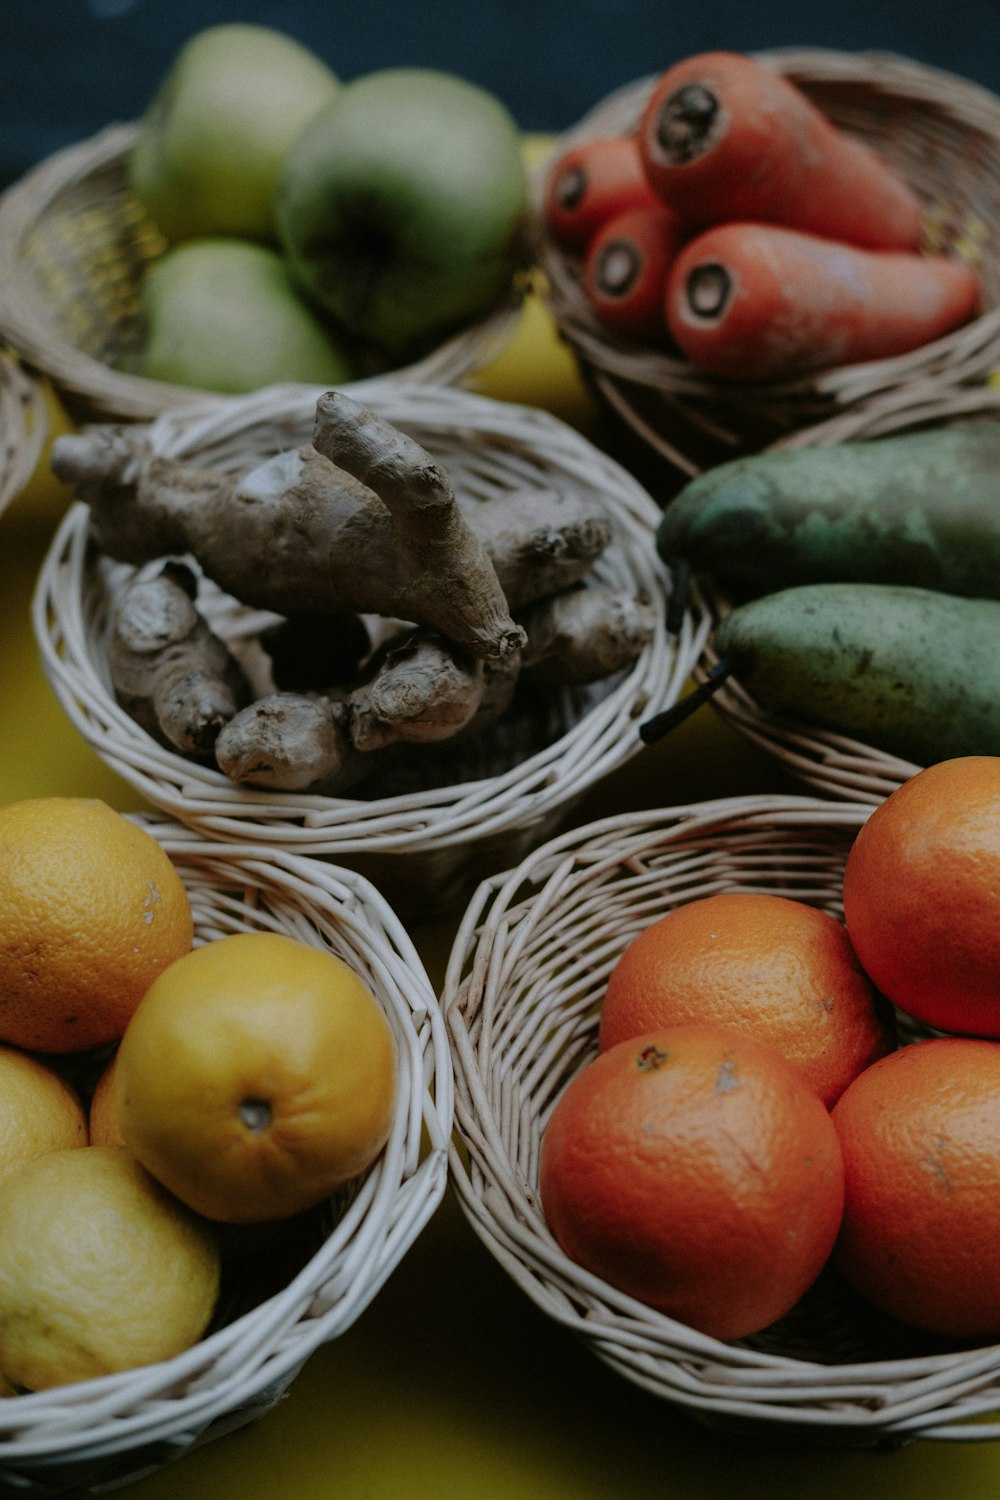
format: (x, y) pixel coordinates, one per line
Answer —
(74, 244)
(521, 999)
(103, 1433)
(429, 846)
(836, 764)
(23, 427)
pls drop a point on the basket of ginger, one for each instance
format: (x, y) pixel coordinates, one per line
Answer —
(727, 1083)
(224, 1114)
(744, 245)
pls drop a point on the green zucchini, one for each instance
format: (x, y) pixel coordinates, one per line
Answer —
(913, 672)
(920, 509)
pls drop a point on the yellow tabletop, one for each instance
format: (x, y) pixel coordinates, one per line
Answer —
(452, 1385)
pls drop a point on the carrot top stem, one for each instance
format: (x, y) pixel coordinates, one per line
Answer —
(685, 121)
(708, 289)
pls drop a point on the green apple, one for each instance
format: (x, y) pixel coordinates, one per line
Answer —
(210, 145)
(403, 204)
(224, 315)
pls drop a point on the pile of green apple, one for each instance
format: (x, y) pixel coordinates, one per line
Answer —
(317, 230)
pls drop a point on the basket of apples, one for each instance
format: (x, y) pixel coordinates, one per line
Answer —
(745, 245)
(265, 222)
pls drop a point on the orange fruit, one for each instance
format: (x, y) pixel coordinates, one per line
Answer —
(922, 895)
(694, 1169)
(257, 1076)
(39, 1111)
(920, 1136)
(100, 1269)
(91, 910)
(102, 1117)
(777, 968)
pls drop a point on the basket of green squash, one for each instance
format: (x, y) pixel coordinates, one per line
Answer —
(853, 575)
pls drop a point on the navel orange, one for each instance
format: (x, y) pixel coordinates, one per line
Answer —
(91, 910)
(920, 1136)
(257, 1075)
(694, 1169)
(777, 968)
(922, 895)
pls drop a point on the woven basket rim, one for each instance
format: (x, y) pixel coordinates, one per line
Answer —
(238, 1371)
(854, 1402)
(837, 765)
(603, 738)
(24, 427)
(618, 366)
(107, 392)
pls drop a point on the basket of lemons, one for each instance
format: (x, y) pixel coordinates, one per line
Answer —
(264, 221)
(422, 699)
(226, 1107)
(726, 1103)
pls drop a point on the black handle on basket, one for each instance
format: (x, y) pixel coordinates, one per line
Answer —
(660, 724)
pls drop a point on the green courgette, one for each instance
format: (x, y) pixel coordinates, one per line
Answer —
(920, 509)
(913, 672)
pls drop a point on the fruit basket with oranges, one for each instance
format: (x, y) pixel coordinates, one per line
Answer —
(649, 1133)
(938, 132)
(502, 792)
(143, 1375)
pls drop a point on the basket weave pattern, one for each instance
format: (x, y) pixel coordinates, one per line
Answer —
(74, 244)
(522, 997)
(438, 842)
(834, 764)
(108, 1431)
(942, 134)
(23, 427)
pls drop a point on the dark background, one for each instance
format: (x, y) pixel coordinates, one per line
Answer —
(69, 67)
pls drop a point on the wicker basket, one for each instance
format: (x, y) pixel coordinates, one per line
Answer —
(23, 427)
(103, 1433)
(521, 998)
(838, 765)
(424, 847)
(942, 133)
(74, 244)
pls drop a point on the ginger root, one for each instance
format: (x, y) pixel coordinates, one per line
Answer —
(301, 535)
(169, 670)
(423, 692)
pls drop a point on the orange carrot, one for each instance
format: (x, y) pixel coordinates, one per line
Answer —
(590, 184)
(625, 271)
(761, 302)
(725, 137)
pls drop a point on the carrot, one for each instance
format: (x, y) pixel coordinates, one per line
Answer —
(591, 183)
(724, 137)
(760, 301)
(625, 270)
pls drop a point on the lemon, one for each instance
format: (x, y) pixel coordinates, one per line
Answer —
(101, 1269)
(257, 1075)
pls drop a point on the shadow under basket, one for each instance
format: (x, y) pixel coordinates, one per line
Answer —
(74, 245)
(325, 1266)
(426, 848)
(522, 998)
(834, 764)
(941, 133)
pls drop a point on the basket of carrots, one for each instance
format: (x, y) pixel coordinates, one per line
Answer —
(612, 1004)
(850, 572)
(744, 245)
(446, 620)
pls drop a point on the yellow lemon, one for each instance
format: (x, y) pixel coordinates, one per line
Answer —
(91, 910)
(39, 1111)
(101, 1269)
(257, 1076)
